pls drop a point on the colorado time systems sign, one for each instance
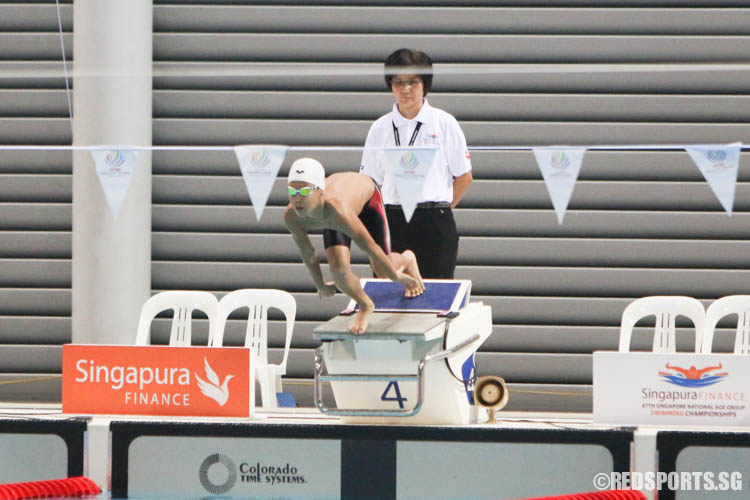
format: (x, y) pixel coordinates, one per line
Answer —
(157, 380)
(272, 466)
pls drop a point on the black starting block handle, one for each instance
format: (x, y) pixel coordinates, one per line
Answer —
(448, 314)
(319, 378)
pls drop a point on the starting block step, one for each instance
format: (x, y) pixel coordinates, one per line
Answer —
(384, 326)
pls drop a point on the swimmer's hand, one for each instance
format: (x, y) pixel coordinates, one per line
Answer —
(327, 290)
(413, 286)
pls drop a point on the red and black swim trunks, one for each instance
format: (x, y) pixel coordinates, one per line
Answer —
(373, 217)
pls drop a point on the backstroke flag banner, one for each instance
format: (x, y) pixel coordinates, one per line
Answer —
(410, 168)
(719, 165)
(114, 168)
(259, 166)
(560, 167)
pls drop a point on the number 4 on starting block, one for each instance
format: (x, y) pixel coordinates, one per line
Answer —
(396, 390)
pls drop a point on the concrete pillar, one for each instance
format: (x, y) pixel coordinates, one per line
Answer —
(112, 61)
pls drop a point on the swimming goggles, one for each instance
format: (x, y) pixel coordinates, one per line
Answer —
(303, 191)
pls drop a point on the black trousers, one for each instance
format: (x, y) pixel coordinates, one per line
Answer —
(431, 234)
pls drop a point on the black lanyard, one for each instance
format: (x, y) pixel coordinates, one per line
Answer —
(414, 135)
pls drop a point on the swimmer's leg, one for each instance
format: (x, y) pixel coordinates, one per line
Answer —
(339, 262)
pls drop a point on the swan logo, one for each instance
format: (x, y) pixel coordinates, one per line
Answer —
(219, 392)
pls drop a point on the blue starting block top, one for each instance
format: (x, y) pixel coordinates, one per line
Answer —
(439, 296)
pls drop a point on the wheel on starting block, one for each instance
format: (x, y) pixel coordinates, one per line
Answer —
(415, 363)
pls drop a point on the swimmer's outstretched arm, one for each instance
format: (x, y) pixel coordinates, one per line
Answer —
(307, 252)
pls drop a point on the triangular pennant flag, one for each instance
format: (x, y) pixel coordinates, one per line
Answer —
(114, 167)
(719, 165)
(259, 166)
(560, 167)
(410, 168)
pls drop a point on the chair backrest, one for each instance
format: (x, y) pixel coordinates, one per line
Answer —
(666, 309)
(731, 304)
(183, 302)
(257, 300)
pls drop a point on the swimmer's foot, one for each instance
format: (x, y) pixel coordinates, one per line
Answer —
(412, 269)
(362, 319)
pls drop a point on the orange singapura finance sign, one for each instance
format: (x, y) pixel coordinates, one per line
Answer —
(157, 380)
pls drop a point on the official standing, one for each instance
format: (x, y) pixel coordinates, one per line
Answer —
(431, 233)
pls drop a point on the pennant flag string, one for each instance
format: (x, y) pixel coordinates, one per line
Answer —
(260, 165)
(622, 147)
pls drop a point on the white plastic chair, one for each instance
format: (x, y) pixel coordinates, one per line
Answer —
(666, 309)
(256, 336)
(731, 304)
(183, 302)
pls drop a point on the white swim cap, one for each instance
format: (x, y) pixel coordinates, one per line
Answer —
(308, 170)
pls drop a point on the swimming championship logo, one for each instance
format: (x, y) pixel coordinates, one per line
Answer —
(692, 377)
(560, 161)
(212, 388)
(409, 161)
(114, 159)
(717, 158)
(259, 159)
(716, 155)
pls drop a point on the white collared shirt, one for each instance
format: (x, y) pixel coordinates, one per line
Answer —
(439, 129)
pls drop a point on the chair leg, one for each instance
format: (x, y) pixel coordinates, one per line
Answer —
(267, 389)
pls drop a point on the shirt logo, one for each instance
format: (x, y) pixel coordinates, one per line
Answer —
(431, 139)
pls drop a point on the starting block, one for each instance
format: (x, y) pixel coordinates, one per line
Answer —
(415, 362)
